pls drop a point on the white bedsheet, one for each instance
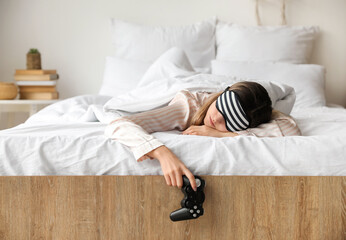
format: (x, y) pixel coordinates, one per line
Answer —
(71, 148)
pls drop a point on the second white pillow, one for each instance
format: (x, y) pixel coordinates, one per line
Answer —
(307, 79)
(264, 43)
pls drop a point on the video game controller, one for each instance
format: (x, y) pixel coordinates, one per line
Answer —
(191, 205)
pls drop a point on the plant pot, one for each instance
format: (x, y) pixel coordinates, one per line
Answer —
(8, 90)
(33, 61)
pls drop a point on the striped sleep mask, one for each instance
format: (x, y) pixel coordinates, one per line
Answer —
(228, 105)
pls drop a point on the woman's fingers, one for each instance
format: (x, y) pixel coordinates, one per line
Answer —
(192, 130)
(173, 180)
(144, 157)
(179, 179)
(176, 179)
(141, 158)
(188, 130)
(191, 178)
(168, 179)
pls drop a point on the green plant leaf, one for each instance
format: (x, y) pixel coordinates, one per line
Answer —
(33, 50)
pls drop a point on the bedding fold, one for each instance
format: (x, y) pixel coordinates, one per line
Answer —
(160, 92)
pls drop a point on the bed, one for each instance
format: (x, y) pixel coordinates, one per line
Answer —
(73, 148)
(62, 178)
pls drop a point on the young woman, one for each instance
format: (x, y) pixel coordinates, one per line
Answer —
(242, 109)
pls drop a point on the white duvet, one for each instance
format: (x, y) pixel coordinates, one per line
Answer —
(68, 140)
(160, 92)
(156, 94)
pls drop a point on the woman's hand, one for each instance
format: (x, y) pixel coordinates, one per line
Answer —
(173, 169)
(204, 130)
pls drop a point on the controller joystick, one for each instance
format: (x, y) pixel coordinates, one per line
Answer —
(191, 205)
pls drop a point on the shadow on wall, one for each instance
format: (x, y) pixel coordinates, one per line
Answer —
(8, 120)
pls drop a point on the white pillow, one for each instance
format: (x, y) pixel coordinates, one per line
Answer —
(173, 63)
(121, 75)
(306, 79)
(264, 43)
(147, 43)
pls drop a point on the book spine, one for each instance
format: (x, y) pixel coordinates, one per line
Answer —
(34, 72)
(27, 89)
(45, 77)
(36, 83)
(39, 96)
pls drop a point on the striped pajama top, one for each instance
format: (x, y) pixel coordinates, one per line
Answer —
(134, 131)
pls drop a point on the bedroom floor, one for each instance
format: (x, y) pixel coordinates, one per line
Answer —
(138, 207)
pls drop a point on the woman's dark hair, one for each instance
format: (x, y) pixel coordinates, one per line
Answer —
(253, 98)
(255, 101)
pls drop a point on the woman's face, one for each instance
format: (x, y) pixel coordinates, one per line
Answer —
(214, 118)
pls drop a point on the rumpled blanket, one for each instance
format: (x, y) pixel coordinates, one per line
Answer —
(94, 108)
(160, 92)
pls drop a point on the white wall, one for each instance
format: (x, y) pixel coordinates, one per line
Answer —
(73, 36)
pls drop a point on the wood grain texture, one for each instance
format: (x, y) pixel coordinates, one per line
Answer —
(138, 207)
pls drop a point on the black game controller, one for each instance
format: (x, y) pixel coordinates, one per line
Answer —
(191, 205)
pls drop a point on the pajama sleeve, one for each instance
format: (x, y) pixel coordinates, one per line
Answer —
(135, 131)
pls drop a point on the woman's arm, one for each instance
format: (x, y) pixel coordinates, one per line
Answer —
(134, 132)
(133, 136)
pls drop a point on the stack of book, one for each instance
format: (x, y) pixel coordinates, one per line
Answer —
(37, 84)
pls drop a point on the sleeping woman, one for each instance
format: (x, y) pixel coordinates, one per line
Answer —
(244, 108)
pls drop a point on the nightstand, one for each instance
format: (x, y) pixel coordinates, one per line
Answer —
(14, 106)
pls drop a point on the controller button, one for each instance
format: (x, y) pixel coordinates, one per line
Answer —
(198, 182)
(198, 211)
(191, 211)
(194, 215)
(195, 207)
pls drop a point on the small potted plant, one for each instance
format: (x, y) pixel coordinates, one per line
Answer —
(33, 59)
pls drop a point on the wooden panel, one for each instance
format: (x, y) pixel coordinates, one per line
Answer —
(138, 207)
